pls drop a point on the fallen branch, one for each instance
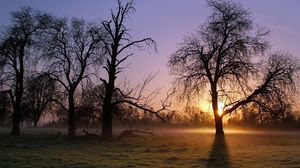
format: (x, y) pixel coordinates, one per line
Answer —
(142, 132)
(89, 134)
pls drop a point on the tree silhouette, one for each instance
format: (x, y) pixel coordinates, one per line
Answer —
(70, 50)
(16, 45)
(222, 55)
(117, 45)
(39, 95)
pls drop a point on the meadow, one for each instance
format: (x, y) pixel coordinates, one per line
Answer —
(165, 148)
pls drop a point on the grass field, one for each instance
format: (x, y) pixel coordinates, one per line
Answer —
(167, 148)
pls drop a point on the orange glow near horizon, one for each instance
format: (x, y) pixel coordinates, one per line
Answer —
(206, 106)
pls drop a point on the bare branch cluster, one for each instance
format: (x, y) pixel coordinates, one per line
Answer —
(116, 45)
(16, 48)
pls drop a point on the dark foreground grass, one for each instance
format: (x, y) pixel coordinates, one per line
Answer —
(176, 149)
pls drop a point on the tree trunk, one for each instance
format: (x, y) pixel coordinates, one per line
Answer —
(19, 89)
(219, 125)
(107, 109)
(107, 120)
(217, 116)
(15, 131)
(35, 118)
(16, 116)
(3, 111)
(107, 112)
(71, 119)
(35, 122)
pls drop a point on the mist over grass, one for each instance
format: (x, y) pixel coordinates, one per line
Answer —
(163, 148)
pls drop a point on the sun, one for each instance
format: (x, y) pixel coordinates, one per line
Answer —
(207, 106)
(220, 108)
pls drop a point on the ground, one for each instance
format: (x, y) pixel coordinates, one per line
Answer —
(167, 148)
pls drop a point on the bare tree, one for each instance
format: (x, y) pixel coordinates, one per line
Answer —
(72, 49)
(39, 95)
(16, 45)
(117, 45)
(222, 56)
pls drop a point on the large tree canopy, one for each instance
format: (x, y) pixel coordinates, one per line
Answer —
(16, 56)
(224, 54)
(71, 49)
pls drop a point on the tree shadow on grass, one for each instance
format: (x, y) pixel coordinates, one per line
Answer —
(219, 155)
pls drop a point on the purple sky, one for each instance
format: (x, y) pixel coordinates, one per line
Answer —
(167, 21)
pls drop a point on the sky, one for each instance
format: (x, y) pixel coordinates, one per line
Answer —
(167, 21)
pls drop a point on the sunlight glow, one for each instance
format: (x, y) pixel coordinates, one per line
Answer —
(220, 108)
(207, 107)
